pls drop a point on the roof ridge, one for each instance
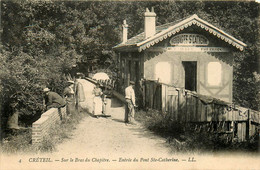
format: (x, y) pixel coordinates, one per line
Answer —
(157, 28)
(165, 30)
(178, 20)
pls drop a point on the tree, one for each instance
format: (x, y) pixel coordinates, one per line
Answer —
(43, 40)
(35, 54)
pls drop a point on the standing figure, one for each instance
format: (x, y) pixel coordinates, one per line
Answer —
(79, 95)
(107, 95)
(68, 94)
(130, 101)
(97, 101)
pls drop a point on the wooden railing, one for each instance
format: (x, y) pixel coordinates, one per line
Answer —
(189, 107)
(109, 83)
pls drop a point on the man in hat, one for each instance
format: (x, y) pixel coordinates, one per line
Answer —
(130, 101)
(52, 99)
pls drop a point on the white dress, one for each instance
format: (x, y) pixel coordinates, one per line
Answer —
(97, 101)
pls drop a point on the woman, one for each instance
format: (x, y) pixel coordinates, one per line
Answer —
(68, 94)
(97, 102)
(79, 95)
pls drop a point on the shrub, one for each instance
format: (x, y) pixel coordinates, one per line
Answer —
(159, 122)
(20, 141)
(187, 138)
(17, 141)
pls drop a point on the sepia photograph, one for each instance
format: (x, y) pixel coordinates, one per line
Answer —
(100, 84)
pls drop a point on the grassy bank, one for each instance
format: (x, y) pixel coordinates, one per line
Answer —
(187, 138)
(20, 141)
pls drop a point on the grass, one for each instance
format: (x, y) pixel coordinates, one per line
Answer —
(184, 138)
(20, 141)
(17, 141)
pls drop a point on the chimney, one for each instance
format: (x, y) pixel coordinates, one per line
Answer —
(125, 27)
(149, 23)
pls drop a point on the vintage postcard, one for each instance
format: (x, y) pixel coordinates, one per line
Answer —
(129, 85)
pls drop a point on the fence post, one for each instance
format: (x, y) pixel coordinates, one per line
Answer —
(248, 125)
(179, 110)
(163, 98)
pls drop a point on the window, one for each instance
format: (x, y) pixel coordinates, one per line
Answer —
(214, 74)
(163, 72)
(123, 69)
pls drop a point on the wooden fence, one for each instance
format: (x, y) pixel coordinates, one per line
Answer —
(206, 112)
(109, 83)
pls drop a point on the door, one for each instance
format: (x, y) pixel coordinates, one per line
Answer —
(129, 74)
(190, 75)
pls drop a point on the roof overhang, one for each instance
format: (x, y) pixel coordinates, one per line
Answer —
(172, 30)
(126, 48)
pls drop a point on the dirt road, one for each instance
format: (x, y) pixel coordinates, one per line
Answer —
(108, 143)
(110, 140)
(110, 137)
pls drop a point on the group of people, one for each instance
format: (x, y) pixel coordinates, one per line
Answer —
(70, 98)
(99, 102)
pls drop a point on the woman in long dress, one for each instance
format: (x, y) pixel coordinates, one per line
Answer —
(97, 101)
(68, 94)
(79, 95)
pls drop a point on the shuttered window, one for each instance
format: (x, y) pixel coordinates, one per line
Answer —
(163, 72)
(214, 74)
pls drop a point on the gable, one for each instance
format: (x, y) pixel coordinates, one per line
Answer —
(168, 30)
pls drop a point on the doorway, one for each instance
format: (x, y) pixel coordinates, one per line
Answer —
(190, 75)
(129, 74)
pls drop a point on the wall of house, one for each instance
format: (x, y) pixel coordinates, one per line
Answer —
(130, 69)
(168, 67)
(215, 76)
(165, 62)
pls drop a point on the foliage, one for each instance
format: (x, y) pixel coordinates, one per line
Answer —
(17, 142)
(187, 138)
(159, 122)
(20, 141)
(34, 55)
(42, 40)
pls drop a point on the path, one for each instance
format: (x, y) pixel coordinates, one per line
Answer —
(107, 143)
(110, 137)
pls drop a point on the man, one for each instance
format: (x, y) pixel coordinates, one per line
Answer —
(52, 99)
(130, 101)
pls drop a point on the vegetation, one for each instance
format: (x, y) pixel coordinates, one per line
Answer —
(21, 142)
(43, 40)
(184, 138)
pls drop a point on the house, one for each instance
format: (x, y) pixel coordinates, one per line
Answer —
(190, 53)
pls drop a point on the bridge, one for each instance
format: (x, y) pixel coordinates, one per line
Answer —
(179, 105)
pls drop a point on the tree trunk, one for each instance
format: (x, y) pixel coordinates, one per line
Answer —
(13, 121)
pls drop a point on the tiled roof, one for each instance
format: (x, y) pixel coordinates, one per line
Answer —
(141, 37)
(169, 29)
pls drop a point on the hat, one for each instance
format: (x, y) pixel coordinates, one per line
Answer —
(70, 81)
(131, 82)
(46, 89)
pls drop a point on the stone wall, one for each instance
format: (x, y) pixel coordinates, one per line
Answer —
(41, 127)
